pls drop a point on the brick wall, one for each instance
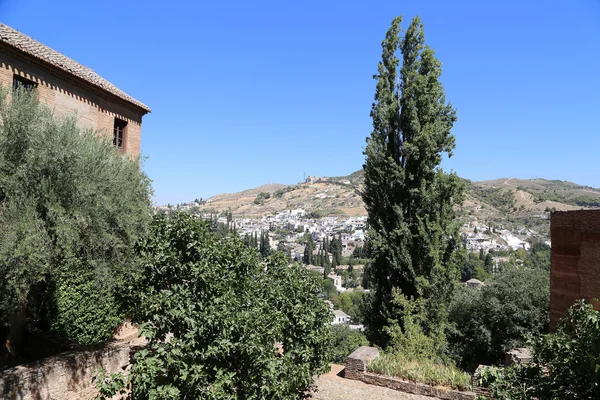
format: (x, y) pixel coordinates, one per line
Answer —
(575, 266)
(67, 94)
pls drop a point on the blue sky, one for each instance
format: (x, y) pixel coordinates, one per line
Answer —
(247, 93)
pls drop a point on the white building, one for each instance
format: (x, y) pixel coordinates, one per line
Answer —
(340, 317)
(337, 282)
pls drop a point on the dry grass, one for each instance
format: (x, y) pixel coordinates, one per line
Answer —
(432, 372)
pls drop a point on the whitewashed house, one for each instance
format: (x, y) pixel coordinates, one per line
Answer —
(340, 317)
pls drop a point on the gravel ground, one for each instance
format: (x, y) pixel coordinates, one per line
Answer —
(333, 387)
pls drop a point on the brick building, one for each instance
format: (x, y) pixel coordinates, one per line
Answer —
(575, 266)
(67, 86)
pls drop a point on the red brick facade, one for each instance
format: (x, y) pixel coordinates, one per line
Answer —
(67, 93)
(575, 266)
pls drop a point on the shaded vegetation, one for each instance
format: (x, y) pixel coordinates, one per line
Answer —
(345, 341)
(486, 322)
(565, 364)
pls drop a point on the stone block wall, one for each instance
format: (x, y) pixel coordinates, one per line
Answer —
(575, 265)
(64, 376)
(356, 363)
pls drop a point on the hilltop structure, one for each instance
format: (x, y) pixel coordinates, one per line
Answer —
(67, 86)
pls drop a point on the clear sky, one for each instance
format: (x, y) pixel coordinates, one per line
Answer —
(252, 92)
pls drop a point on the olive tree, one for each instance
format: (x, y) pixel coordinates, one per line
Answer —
(71, 210)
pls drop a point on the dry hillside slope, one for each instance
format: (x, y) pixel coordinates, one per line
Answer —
(488, 200)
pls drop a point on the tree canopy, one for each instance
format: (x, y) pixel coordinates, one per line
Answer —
(497, 317)
(213, 312)
(71, 210)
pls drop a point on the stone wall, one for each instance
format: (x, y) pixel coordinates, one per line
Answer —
(575, 265)
(66, 94)
(67, 375)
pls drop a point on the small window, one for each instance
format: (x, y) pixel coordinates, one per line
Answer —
(20, 82)
(119, 133)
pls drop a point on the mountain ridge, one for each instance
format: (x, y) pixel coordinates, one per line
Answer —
(502, 201)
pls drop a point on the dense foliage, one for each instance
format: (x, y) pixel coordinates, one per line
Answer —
(495, 318)
(80, 308)
(350, 302)
(409, 199)
(474, 265)
(566, 364)
(345, 341)
(69, 205)
(417, 354)
(213, 312)
(261, 197)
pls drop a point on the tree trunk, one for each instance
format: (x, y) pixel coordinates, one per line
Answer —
(16, 332)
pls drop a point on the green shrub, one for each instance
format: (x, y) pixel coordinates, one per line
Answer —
(345, 341)
(412, 335)
(350, 302)
(261, 197)
(83, 310)
(487, 322)
(416, 351)
(565, 364)
(213, 311)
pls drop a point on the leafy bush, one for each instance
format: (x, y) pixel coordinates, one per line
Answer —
(350, 302)
(82, 309)
(415, 354)
(261, 197)
(412, 335)
(491, 320)
(280, 192)
(565, 364)
(213, 312)
(345, 341)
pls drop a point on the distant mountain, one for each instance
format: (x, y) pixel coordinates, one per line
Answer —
(501, 201)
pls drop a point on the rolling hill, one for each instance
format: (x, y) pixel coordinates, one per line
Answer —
(502, 201)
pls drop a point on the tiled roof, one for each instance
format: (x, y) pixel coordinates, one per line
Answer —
(34, 48)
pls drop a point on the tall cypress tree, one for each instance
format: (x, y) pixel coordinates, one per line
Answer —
(265, 244)
(308, 249)
(409, 199)
(336, 249)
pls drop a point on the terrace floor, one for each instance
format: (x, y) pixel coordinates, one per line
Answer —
(331, 386)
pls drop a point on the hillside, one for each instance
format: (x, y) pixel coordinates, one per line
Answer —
(502, 201)
(324, 197)
(554, 191)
